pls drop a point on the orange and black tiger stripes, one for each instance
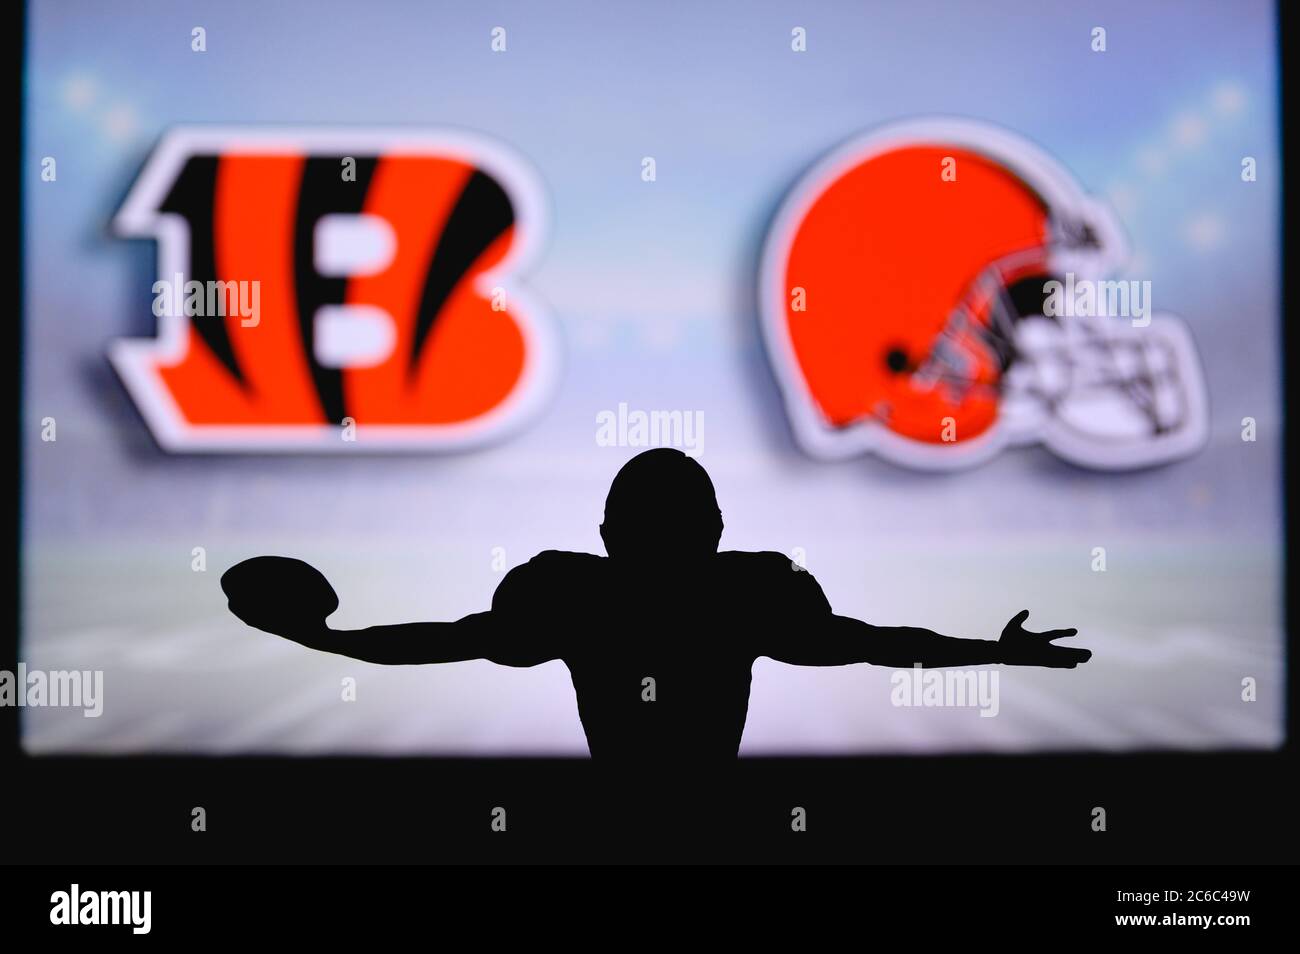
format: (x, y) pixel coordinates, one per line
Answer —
(223, 213)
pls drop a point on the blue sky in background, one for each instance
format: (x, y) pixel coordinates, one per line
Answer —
(653, 289)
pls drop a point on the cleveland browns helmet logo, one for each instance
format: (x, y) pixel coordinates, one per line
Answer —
(363, 279)
(907, 290)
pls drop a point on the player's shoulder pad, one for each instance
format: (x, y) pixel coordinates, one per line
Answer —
(549, 559)
(760, 560)
(548, 569)
(778, 577)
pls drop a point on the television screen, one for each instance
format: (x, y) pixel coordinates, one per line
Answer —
(962, 311)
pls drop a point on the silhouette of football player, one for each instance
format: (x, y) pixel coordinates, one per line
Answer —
(659, 636)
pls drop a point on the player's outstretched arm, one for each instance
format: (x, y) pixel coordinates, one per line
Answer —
(291, 599)
(842, 640)
(403, 644)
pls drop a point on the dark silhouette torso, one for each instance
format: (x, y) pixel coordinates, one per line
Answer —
(694, 630)
(660, 637)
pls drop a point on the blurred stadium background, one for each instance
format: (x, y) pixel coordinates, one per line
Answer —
(653, 288)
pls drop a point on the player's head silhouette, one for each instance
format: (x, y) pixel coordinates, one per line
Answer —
(661, 510)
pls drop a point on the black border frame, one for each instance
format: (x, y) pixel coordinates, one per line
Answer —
(1162, 807)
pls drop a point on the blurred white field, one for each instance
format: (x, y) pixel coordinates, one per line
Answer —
(1174, 629)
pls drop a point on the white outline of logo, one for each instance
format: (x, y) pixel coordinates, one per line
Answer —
(134, 359)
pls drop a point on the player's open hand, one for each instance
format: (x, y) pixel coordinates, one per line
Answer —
(280, 595)
(1020, 647)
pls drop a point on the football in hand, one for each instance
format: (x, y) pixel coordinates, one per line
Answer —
(279, 594)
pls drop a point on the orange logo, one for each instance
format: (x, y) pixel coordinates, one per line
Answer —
(320, 283)
(918, 302)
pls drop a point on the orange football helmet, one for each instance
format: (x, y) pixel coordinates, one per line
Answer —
(904, 285)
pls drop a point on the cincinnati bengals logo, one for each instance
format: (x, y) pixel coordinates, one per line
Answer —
(383, 269)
